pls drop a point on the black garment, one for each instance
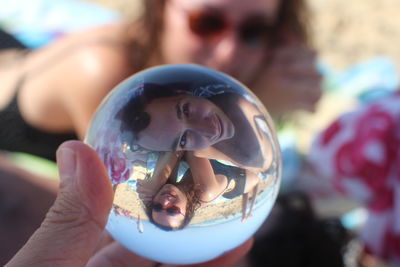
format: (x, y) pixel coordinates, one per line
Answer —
(232, 173)
(18, 136)
(7, 41)
(293, 236)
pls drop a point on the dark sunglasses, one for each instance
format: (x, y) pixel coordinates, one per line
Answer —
(252, 31)
(170, 211)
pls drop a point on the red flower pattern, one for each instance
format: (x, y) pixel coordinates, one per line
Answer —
(362, 151)
(110, 152)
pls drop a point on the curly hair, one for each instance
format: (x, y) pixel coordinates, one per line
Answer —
(193, 203)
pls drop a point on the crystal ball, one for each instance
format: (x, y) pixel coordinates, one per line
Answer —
(194, 161)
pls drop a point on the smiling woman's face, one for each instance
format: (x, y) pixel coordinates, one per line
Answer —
(220, 34)
(169, 197)
(184, 123)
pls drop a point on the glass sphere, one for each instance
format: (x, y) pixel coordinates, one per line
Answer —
(194, 161)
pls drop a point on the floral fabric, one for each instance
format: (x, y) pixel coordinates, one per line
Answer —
(360, 154)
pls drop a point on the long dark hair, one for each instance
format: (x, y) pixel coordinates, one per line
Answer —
(193, 203)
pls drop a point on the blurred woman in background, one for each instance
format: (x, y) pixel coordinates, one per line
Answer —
(53, 92)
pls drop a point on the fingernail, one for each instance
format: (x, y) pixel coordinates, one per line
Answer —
(66, 163)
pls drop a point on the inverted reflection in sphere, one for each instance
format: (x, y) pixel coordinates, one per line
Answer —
(194, 161)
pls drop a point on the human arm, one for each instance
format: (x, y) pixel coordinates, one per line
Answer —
(165, 166)
(250, 193)
(96, 72)
(252, 180)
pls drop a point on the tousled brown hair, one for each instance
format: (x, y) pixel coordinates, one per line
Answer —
(144, 35)
(193, 203)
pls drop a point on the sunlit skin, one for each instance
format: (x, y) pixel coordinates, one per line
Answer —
(225, 52)
(193, 123)
(168, 196)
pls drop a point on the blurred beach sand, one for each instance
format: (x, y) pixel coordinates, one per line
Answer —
(127, 203)
(347, 32)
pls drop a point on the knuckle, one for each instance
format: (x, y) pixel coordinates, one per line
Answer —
(69, 214)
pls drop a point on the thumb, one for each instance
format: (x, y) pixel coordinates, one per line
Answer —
(73, 225)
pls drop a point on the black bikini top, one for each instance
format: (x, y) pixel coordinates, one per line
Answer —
(17, 135)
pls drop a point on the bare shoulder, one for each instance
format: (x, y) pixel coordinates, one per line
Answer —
(89, 64)
(102, 55)
(99, 53)
(95, 62)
